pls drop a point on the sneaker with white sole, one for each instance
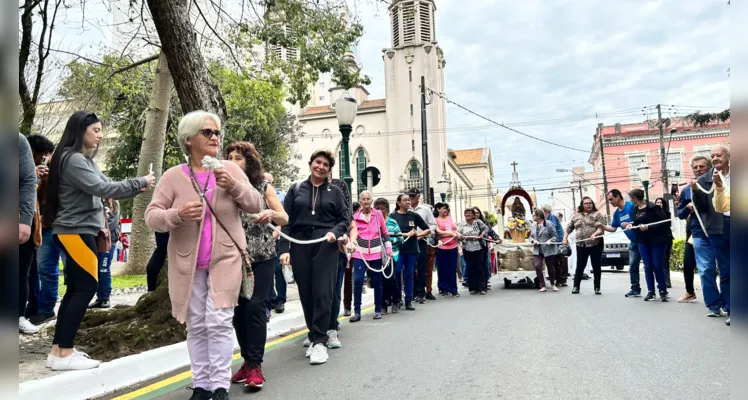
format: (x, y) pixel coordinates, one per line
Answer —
(332, 339)
(309, 351)
(74, 362)
(307, 342)
(26, 327)
(319, 354)
(50, 357)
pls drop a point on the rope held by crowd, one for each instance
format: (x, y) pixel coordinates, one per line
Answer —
(297, 241)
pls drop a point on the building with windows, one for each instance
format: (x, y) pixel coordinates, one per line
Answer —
(387, 132)
(627, 147)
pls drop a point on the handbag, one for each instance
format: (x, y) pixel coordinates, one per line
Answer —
(104, 238)
(248, 278)
(564, 250)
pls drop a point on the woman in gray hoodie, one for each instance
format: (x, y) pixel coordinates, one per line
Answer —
(76, 214)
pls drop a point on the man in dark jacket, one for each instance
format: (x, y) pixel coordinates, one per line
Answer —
(713, 249)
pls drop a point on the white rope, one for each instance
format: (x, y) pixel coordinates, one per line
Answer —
(710, 191)
(390, 261)
(297, 241)
(440, 243)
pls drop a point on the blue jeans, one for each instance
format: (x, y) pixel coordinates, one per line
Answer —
(278, 292)
(712, 252)
(447, 273)
(359, 278)
(635, 259)
(654, 260)
(47, 260)
(338, 296)
(104, 290)
(407, 264)
(464, 270)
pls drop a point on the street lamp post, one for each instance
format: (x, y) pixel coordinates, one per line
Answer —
(443, 187)
(345, 110)
(645, 173)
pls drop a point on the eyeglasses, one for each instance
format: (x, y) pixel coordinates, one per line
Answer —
(208, 133)
(587, 204)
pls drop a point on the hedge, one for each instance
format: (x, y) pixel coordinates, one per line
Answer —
(676, 256)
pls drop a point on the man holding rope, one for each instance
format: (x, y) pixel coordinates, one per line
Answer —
(623, 216)
(713, 249)
(426, 254)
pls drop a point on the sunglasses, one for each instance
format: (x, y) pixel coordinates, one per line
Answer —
(208, 133)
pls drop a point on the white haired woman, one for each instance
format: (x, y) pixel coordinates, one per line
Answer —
(199, 207)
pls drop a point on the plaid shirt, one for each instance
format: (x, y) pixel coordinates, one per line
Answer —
(584, 224)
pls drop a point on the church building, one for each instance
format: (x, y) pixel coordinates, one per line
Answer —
(387, 132)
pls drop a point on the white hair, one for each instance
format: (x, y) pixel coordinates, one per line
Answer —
(268, 177)
(365, 192)
(723, 147)
(190, 124)
(547, 207)
(699, 157)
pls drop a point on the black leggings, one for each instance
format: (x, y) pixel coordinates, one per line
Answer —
(81, 279)
(689, 266)
(250, 320)
(26, 257)
(475, 261)
(156, 263)
(595, 254)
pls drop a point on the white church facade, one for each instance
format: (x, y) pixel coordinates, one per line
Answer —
(387, 132)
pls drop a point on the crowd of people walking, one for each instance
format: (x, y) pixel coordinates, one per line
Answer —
(231, 238)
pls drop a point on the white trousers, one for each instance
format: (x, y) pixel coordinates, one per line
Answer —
(210, 337)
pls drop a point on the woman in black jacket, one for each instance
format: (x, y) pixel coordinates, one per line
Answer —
(661, 202)
(652, 242)
(316, 209)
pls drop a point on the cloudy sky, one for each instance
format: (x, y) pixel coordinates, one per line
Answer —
(534, 61)
(530, 63)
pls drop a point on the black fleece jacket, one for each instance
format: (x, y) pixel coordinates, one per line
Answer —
(330, 212)
(655, 234)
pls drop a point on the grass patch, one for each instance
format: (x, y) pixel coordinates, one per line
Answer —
(118, 282)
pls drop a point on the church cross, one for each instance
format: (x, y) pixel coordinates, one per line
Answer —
(514, 165)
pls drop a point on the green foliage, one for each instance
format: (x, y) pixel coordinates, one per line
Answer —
(676, 256)
(256, 114)
(702, 119)
(318, 33)
(490, 218)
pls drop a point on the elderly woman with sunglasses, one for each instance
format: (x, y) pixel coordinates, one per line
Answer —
(198, 203)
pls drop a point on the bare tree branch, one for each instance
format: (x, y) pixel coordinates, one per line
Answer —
(119, 71)
(78, 56)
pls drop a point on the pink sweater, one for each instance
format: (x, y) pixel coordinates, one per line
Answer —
(174, 189)
(206, 237)
(368, 232)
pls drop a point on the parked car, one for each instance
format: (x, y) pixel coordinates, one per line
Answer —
(616, 252)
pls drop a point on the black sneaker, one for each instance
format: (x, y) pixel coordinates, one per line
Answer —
(664, 297)
(347, 313)
(201, 394)
(280, 308)
(430, 296)
(220, 394)
(355, 318)
(575, 290)
(409, 306)
(396, 308)
(633, 293)
(456, 294)
(650, 296)
(715, 314)
(42, 317)
(420, 300)
(597, 291)
(101, 304)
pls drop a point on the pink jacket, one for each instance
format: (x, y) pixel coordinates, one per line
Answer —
(174, 189)
(367, 243)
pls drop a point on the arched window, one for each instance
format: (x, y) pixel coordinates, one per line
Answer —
(360, 166)
(414, 171)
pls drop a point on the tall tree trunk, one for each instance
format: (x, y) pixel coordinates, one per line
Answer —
(179, 44)
(151, 153)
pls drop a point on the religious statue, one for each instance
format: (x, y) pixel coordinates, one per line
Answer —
(518, 210)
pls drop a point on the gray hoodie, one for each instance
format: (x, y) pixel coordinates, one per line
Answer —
(82, 185)
(26, 182)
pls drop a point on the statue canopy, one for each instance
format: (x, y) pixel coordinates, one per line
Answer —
(516, 190)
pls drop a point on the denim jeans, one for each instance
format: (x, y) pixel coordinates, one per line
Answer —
(447, 274)
(654, 258)
(407, 264)
(48, 259)
(464, 270)
(635, 259)
(105, 275)
(359, 277)
(278, 291)
(712, 252)
(392, 291)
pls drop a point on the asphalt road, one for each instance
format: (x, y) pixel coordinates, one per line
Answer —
(515, 344)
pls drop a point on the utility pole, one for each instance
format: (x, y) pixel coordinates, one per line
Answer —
(602, 163)
(663, 159)
(425, 143)
(581, 194)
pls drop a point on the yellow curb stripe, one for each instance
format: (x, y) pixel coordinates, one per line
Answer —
(188, 374)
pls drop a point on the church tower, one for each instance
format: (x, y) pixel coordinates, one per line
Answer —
(414, 53)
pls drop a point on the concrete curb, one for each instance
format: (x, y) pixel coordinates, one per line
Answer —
(131, 370)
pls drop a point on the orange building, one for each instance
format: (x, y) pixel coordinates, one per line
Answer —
(628, 146)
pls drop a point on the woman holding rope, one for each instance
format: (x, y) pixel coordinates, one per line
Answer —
(391, 289)
(446, 250)
(588, 223)
(371, 239)
(473, 231)
(408, 221)
(318, 214)
(652, 242)
(250, 320)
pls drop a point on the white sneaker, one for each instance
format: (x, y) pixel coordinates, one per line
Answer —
(50, 357)
(73, 362)
(309, 351)
(26, 327)
(307, 342)
(332, 339)
(319, 354)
